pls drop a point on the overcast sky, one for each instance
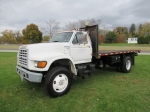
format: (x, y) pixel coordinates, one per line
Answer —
(17, 14)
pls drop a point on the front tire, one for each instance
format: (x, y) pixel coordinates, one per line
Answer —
(58, 81)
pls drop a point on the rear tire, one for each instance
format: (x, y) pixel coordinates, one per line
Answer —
(58, 81)
(127, 64)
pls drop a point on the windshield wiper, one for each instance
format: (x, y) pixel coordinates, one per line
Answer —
(55, 41)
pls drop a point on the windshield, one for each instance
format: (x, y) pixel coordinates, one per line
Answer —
(62, 37)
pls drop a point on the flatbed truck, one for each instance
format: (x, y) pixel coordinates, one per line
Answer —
(68, 55)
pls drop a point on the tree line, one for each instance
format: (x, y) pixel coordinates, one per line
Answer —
(32, 34)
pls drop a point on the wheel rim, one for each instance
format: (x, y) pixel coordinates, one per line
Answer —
(128, 64)
(60, 83)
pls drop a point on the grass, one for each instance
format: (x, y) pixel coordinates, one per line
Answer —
(106, 91)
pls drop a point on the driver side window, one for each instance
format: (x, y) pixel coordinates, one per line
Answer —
(75, 40)
(80, 38)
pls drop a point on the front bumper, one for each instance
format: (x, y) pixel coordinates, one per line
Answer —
(28, 75)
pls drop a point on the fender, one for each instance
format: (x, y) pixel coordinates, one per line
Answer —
(50, 59)
(64, 56)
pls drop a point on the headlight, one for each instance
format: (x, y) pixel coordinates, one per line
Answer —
(40, 64)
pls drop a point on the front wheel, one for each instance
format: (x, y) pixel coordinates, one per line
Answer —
(58, 81)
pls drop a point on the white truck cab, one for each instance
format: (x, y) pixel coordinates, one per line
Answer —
(67, 48)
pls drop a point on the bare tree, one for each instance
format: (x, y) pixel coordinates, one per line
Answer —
(103, 31)
(52, 27)
(18, 36)
(81, 23)
(93, 21)
(70, 26)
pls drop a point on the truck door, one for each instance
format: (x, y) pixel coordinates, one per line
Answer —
(81, 49)
(93, 33)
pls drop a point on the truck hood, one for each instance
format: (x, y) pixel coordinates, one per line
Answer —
(42, 49)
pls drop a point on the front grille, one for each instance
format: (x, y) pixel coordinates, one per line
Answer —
(23, 57)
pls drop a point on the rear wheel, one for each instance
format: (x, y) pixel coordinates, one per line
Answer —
(58, 81)
(127, 64)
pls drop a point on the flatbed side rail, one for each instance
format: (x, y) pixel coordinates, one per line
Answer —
(107, 53)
